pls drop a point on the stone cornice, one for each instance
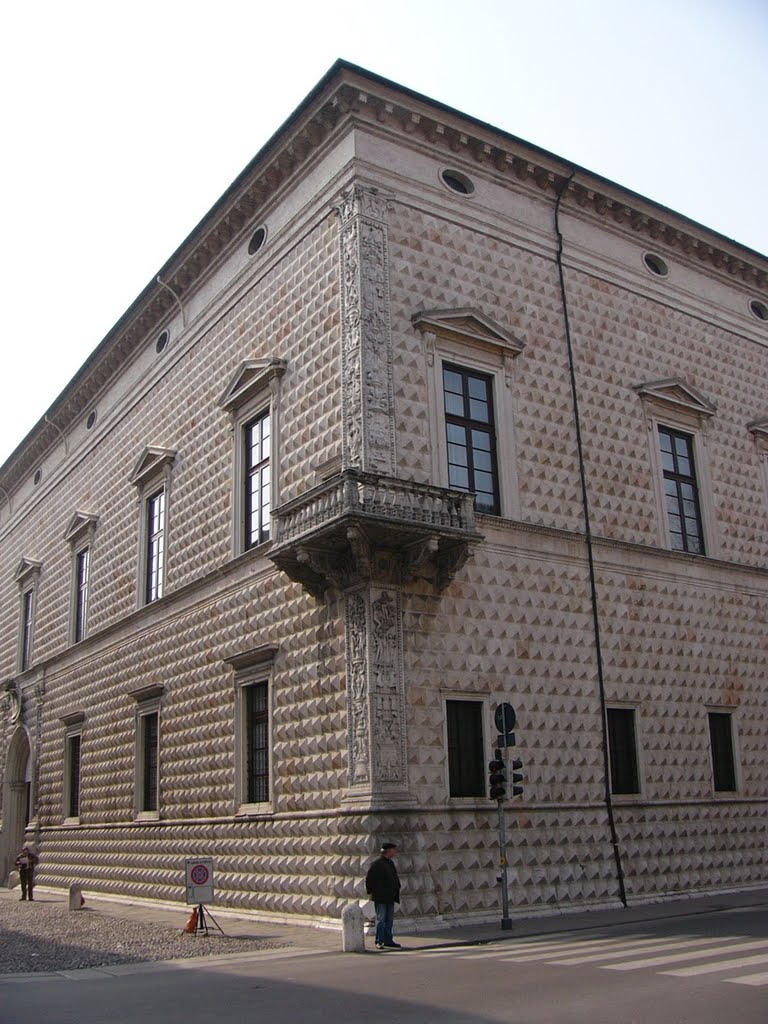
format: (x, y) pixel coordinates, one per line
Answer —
(347, 97)
(461, 136)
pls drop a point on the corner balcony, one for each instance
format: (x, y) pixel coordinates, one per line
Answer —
(360, 526)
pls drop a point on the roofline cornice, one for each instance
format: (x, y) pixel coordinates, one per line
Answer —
(349, 96)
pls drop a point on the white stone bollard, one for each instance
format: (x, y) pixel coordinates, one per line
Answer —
(352, 921)
(75, 897)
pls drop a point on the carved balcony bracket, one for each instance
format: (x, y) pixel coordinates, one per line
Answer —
(359, 527)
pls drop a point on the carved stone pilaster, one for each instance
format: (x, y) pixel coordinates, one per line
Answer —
(358, 711)
(376, 697)
(367, 389)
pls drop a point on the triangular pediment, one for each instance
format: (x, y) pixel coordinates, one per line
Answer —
(28, 568)
(251, 377)
(468, 325)
(675, 393)
(80, 523)
(153, 460)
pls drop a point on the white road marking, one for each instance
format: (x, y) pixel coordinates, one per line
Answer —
(656, 961)
(722, 965)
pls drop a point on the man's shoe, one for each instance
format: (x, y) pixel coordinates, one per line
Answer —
(392, 945)
(22, 898)
(379, 945)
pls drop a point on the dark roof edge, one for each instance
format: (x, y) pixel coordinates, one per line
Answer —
(144, 294)
(338, 66)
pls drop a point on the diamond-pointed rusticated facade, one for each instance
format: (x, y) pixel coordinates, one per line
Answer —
(338, 462)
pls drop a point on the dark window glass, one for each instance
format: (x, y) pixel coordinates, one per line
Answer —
(622, 749)
(471, 436)
(681, 491)
(26, 630)
(257, 743)
(721, 739)
(155, 546)
(149, 725)
(257, 481)
(466, 764)
(73, 808)
(81, 594)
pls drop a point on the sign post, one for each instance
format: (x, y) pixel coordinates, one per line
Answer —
(199, 883)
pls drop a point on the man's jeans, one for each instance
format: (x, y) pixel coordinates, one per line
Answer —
(385, 916)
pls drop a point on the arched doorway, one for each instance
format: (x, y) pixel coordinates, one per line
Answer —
(17, 800)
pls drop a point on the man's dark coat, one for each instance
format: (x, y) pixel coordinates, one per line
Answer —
(382, 882)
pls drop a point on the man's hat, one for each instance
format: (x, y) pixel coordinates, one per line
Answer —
(388, 846)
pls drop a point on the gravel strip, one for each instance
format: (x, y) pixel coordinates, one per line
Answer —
(44, 936)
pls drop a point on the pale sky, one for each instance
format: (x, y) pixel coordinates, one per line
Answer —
(122, 124)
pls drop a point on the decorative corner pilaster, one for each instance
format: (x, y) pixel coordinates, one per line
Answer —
(367, 387)
(376, 697)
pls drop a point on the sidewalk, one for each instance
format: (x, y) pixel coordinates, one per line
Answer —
(243, 926)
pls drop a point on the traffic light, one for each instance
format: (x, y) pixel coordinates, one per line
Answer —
(497, 776)
(517, 764)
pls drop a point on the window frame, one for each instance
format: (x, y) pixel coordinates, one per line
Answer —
(80, 535)
(252, 668)
(148, 705)
(28, 579)
(27, 628)
(152, 478)
(467, 424)
(468, 339)
(81, 594)
(250, 472)
(674, 405)
(716, 768)
(484, 755)
(73, 730)
(613, 752)
(679, 479)
(155, 542)
(253, 391)
(759, 431)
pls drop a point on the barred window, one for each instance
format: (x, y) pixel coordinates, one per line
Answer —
(466, 763)
(622, 751)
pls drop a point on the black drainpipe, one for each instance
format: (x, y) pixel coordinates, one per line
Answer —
(590, 553)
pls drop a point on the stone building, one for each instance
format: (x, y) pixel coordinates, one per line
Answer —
(419, 420)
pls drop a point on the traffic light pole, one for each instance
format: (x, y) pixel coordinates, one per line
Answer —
(506, 923)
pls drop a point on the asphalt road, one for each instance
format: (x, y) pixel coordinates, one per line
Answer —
(701, 969)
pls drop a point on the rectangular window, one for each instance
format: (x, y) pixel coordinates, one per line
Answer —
(155, 551)
(72, 809)
(466, 764)
(622, 751)
(721, 740)
(257, 480)
(257, 743)
(681, 495)
(27, 612)
(82, 569)
(471, 435)
(149, 774)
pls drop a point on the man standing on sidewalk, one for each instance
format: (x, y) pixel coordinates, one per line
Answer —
(25, 862)
(383, 886)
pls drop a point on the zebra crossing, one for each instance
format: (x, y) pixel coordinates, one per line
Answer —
(679, 956)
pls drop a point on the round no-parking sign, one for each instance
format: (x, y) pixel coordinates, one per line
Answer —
(199, 872)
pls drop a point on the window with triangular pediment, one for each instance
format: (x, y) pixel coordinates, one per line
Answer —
(252, 398)
(470, 361)
(678, 416)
